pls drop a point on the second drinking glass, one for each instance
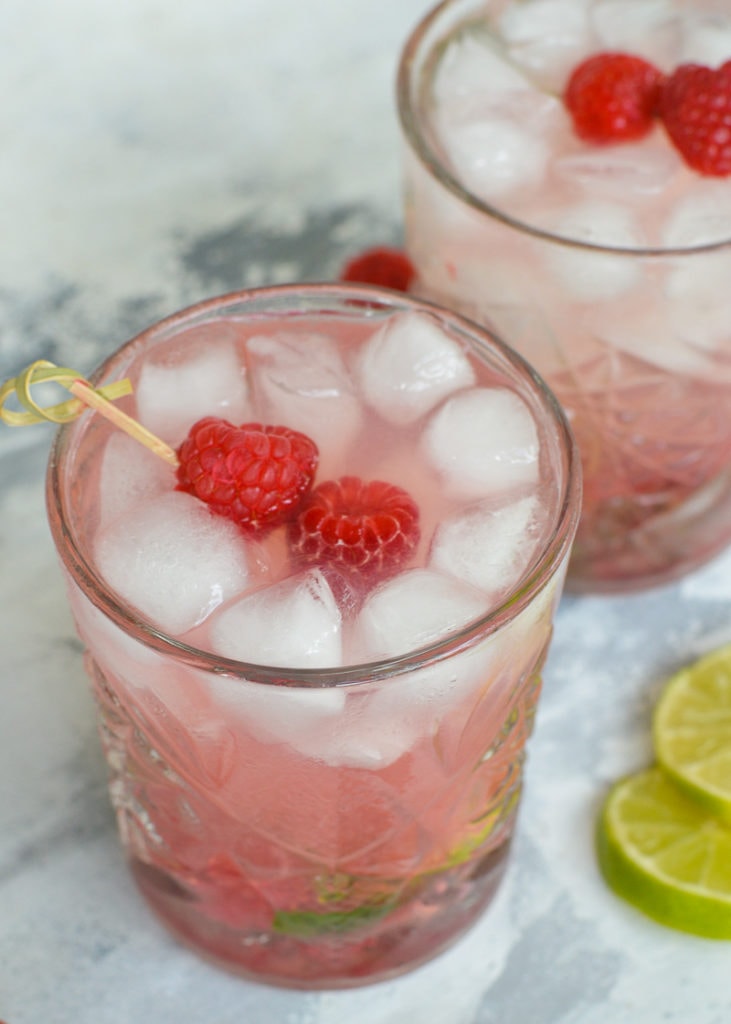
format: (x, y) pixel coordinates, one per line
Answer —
(606, 266)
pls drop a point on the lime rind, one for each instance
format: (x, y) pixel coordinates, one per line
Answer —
(714, 800)
(674, 867)
(692, 732)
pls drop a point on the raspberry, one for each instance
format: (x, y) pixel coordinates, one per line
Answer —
(390, 268)
(369, 528)
(613, 97)
(253, 474)
(695, 107)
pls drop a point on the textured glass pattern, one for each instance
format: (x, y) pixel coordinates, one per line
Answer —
(645, 379)
(286, 866)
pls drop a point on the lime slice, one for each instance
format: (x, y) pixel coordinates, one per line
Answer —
(667, 856)
(692, 731)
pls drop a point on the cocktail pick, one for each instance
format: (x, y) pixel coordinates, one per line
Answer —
(44, 372)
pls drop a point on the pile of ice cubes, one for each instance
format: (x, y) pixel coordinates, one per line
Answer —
(197, 576)
(182, 567)
(499, 115)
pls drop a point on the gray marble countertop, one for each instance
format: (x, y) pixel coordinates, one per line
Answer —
(155, 153)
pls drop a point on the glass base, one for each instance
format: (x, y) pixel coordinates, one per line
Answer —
(335, 954)
(365, 882)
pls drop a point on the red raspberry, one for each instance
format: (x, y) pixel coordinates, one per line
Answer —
(253, 474)
(613, 97)
(389, 268)
(695, 106)
(369, 528)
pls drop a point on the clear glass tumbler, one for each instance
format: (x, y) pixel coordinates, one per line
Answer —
(605, 266)
(308, 826)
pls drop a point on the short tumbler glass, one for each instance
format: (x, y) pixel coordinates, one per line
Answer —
(635, 342)
(314, 827)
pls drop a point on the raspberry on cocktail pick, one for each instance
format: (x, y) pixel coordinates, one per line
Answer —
(613, 97)
(695, 108)
(370, 528)
(253, 474)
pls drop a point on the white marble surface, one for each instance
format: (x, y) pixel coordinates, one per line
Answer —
(154, 153)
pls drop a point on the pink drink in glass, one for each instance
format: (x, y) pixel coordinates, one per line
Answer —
(316, 775)
(606, 266)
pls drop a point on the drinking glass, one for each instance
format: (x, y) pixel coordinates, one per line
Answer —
(313, 827)
(634, 341)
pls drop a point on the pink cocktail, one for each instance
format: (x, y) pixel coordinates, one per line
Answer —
(605, 264)
(316, 764)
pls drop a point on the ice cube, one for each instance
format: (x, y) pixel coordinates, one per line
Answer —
(305, 718)
(175, 561)
(116, 651)
(300, 381)
(472, 70)
(696, 283)
(702, 217)
(390, 721)
(328, 724)
(624, 172)
(646, 28)
(433, 705)
(706, 40)
(295, 623)
(489, 545)
(493, 155)
(698, 301)
(585, 274)
(491, 121)
(655, 336)
(413, 610)
(546, 37)
(129, 473)
(483, 442)
(410, 365)
(176, 704)
(203, 376)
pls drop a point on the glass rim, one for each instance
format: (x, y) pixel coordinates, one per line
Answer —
(357, 298)
(410, 118)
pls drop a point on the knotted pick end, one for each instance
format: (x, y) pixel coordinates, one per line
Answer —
(99, 399)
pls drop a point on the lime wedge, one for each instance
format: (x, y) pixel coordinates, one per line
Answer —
(692, 731)
(666, 855)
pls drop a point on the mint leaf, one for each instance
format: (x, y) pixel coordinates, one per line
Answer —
(303, 924)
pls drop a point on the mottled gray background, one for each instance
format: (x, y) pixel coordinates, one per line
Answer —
(154, 153)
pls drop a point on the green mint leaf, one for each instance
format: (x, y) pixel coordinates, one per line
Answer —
(303, 924)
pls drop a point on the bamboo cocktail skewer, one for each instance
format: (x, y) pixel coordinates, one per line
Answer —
(44, 372)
